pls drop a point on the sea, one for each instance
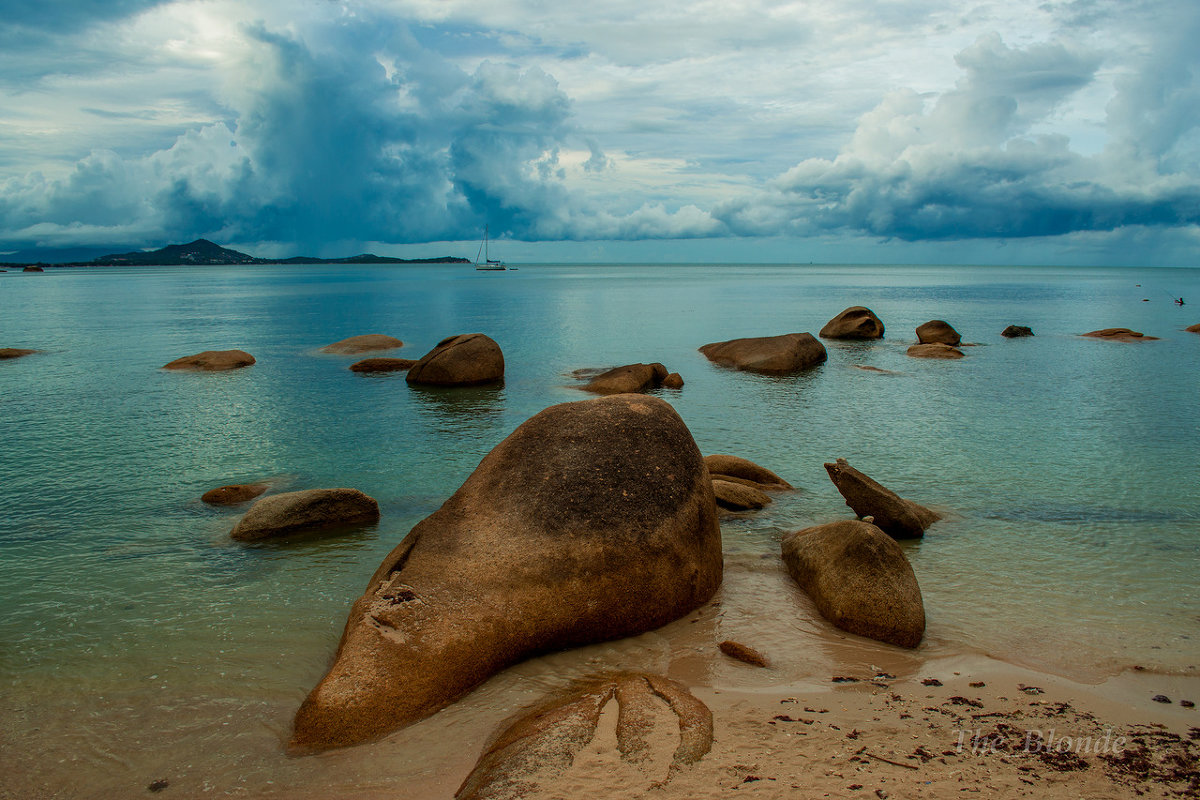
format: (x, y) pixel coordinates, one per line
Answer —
(139, 644)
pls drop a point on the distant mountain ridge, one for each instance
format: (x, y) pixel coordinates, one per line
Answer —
(202, 252)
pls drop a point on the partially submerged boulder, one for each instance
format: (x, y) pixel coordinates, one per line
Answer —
(1016, 331)
(365, 343)
(592, 521)
(673, 381)
(630, 378)
(738, 496)
(856, 322)
(308, 510)
(1193, 328)
(542, 744)
(233, 494)
(213, 361)
(1119, 335)
(382, 365)
(859, 579)
(741, 470)
(900, 518)
(468, 359)
(772, 355)
(33, 269)
(934, 350)
(15, 352)
(937, 331)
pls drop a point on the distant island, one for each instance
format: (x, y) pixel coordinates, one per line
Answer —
(204, 253)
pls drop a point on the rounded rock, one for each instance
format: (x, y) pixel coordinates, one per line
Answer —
(382, 365)
(771, 355)
(469, 359)
(308, 510)
(212, 361)
(856, 322)
(365, 343)
(233, 494)
(937, 331)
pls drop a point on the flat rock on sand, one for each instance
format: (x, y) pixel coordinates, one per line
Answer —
(213, 361)
(542, 745)
(738, 496)
(309, 510)
(859, 579)
(900, 518)
(233, 494)
(365, 343)
(382, 365)
(15, 352)
(626, 379)
(1119, 335)
(937, 331)
(592, 521)
(934, 350)
(856, 322)
(468, 359)
(772, 355)
(742, 470)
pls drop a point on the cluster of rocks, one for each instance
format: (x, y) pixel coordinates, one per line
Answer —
(741, 485)
(631, 379)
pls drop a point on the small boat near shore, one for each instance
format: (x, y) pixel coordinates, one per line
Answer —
(487, 263)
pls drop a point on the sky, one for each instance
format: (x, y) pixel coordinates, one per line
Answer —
(834, 131)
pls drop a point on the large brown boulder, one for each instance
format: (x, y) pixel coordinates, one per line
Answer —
(630, 378)
(382, 365)
(465, 360)
(1016, 331)
(233, 494)
(1119, 335)
(738, 496)
(365, 343)
(937, 331)
(934, 350)
(542, 744)
(773, 355)
(592, 521)
(856, 322)
(900, 518)
(308, 510)
(859, 579)
(741, 470)
(14, 352)
(213, 361)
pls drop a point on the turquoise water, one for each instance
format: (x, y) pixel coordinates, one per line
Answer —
(1067, 469)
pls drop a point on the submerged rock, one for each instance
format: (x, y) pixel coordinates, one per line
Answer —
(900, 518)
(631, 378)
(363, 344)
(33, 269)
(544, 742)
(298, 512)
(859, 579)
(233, 494)
(213, 361)
(856, 322)
(934, 350)
(738, 496)
(741, 470)
(773, 355)
(1015, 331)
(1119, 335)
(937, 331)
(1193, 328)
(15, 352)
(382, 365)
(592, 521)
(468, 359)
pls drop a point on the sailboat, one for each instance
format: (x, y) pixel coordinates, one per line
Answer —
(486, 263)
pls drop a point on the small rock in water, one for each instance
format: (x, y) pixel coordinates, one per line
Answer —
(1161, 698)
(743, 653)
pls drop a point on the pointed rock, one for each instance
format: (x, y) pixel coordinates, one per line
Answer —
(900, 518)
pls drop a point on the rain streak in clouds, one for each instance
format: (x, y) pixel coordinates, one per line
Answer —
(347, 124)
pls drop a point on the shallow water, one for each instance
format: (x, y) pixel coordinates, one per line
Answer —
(138, 640)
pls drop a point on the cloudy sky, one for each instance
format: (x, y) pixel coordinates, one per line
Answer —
(1021, 131)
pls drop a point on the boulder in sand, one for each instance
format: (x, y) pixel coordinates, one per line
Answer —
(738, 496)
(233, 494)
(15, 352)
(213, 361)
(628, 379)
(592, 521)
(856, 322)
(743, 652)
(541, 746)
(468, 359)
(382, 365)
(308, 510)
(741, 470)
(859, 579)
(365, 343)
(772, 355)
(934, 350)
(937, 331)
(1016, 331)
(1119, 335)
(900, 518)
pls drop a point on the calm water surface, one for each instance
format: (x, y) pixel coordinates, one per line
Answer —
(137, 641)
